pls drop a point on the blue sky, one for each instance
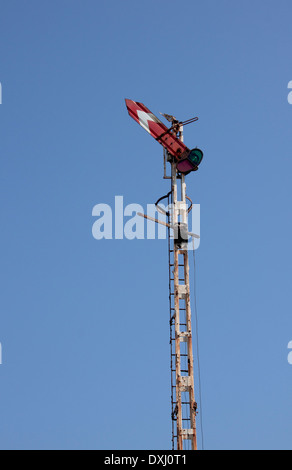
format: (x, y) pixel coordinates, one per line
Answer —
(84, 323)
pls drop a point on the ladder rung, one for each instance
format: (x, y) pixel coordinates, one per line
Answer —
(173, 339)
(181, 355)
(182, 402)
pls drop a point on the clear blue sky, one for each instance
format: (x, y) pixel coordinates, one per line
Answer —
(84, 323)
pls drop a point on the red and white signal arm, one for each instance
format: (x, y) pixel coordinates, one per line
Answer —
(186, 159)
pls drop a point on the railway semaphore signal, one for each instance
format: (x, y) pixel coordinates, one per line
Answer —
(186, 160)
(183, 161)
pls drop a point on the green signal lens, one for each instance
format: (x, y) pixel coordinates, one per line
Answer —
(196, 156)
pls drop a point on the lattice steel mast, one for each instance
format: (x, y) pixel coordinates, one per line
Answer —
(183, 161)
(183, 404)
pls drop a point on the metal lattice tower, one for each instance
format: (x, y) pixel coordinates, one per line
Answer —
(183, 404)
(183, 161)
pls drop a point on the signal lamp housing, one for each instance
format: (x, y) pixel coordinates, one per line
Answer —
(191, 162)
